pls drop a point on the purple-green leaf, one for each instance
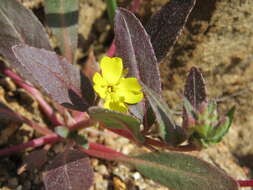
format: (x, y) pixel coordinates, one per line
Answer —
(134, 47)
(70, 170)
(194, 92)
(182, 172)
(19, 25)
(62, 81)
(165, 26)
(116, 120)
(169, 131)
(62, 18)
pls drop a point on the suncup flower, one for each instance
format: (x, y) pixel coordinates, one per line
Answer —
(114, 88)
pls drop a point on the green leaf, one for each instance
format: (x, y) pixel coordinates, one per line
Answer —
(111, 9)
(169, 131)
(116, 120)
(62, 131)
(62, 18)
(221, 130)
(80, 139)
(182, 172)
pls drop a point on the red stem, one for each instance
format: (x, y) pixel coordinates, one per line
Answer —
(245, 183)
(112, 49)
(135, 6)
(33, 143)
(47, 109)
(50, 137)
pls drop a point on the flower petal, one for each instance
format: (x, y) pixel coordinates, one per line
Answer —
(111, 69)
(100, 85)
(115, 106)
(100, 90)
(130, 89)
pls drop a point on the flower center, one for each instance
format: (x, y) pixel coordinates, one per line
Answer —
(110, 89)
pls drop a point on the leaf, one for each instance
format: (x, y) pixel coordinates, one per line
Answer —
(79, 139)
(62, 18)
(116, 120)
(59, 79)
(70, 170)
(19, 25)
(194, 92)
(165, 26)
(222, 129)
(169, 131)
(35, 159)
(182, 172)
(62, 131)
(7, 113)
(134, 47)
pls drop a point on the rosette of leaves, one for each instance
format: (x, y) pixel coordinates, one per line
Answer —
(201, 120)
(26, 46)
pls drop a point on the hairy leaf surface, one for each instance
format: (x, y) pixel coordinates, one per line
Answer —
(134, 47)
(194, 91)
(59, 79)
(182, 172)
(19, 25)
(165, 26)
(70, 170)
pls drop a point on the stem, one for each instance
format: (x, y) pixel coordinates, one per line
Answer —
(52, 138)
(33, 143)
(135, 5)
(245, 183)
(47, 109)
(153, 142)
(112, 49)
(111, 8)
(37, 127)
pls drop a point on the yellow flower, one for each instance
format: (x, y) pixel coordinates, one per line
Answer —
(116, 90)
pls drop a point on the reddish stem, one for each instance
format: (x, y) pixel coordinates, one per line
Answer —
(50, 137)
(33, 143)
(112, 49)
(135, 6)
(47, 109)
(245, 183)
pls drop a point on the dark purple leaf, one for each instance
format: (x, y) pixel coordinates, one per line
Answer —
(59, 79)
(134, 47)
(36, 159)
(165, 26)
(19, 25)
(8, 114)
(62, 18)
(194, 91)
(70, 170)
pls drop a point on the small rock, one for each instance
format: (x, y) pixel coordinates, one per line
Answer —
(136, 176)
(102, 170)
(19, 187)
(8, 84)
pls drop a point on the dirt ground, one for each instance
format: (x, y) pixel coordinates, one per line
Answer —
(218, 39)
